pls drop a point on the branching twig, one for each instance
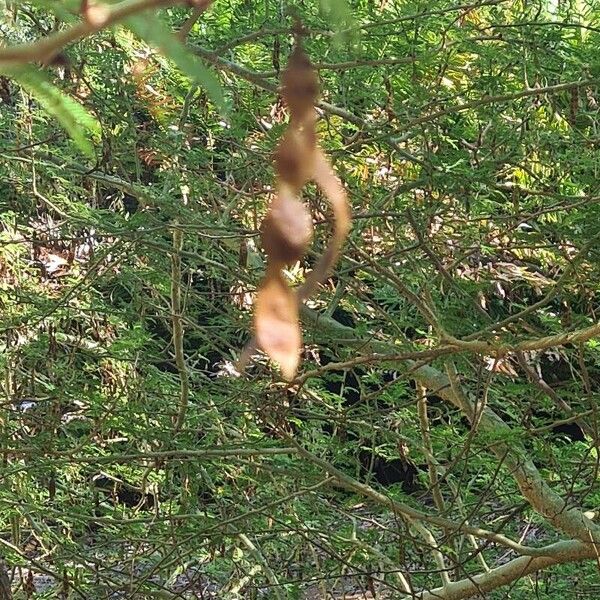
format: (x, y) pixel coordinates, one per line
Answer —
(500, 98)
(45, 48)
(404, 510)
(534, 488)
(555, 554)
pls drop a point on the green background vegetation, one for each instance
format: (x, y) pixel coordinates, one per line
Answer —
(467, 137)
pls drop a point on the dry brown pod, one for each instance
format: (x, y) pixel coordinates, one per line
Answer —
(295, 157)
(277, 325)
(300, 85)
(287, 228)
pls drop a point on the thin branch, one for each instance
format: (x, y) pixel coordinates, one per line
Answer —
(550, 341)
(432, 465)
(258, 555)
(154, 456)
(551, 89)
(376, 62)
(406, 511)
(433, 13)
(411, 296)
(45, 48)
(438, 557)
(560, 553)
(551, 294)
(226, 65)
(185, 29)
(375, 358)
(250, 37)
(184, 378)
(538, 493)
(539, 382)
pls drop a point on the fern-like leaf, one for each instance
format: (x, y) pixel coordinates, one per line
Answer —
(153, 31)
(74, 118)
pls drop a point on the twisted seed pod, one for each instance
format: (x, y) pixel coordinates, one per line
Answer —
(276, 323)
(287, 228)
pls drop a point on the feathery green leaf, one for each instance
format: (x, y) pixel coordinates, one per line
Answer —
(152, 30)
(74, 118)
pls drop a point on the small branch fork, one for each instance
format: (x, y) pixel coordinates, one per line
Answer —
(529, 560)
(583, 541)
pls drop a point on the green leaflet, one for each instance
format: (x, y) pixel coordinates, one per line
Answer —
(339, 15)
(74, 118)
(154, 31)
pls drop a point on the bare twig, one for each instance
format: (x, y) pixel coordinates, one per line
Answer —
(178, 326)
(565, 552)
(45, 48)
(185, 29)
(406, 511)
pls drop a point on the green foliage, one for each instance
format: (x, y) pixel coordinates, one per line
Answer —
(473, 197)
(339, 15)
(66, 10)
(153, 31)
(76, 120)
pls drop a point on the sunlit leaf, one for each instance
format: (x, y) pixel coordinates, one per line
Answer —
(66, 10)
(152, 30)
(339, 16)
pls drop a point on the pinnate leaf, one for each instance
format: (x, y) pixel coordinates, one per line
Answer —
(74, 118)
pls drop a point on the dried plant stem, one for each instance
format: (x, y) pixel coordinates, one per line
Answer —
(176, 317)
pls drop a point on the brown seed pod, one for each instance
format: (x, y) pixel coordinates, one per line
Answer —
(287, 229)
(295, 157)
(276, 323)
(300, 85)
